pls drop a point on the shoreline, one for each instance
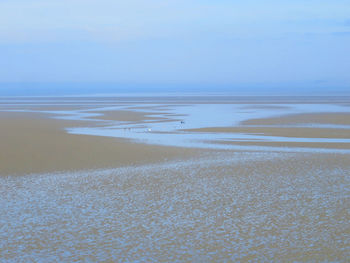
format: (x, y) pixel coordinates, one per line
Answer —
(40, 141)
(33, 143)
(83, 197)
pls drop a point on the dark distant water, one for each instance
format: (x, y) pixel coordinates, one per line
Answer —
(68, 89)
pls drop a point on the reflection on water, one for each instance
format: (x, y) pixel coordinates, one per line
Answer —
(169, 122)
(169, 125)
(224, 206)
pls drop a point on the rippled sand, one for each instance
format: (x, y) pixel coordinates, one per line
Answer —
(224, 207)
(94, 198)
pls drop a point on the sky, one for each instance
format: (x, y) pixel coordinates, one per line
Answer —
(285, 44)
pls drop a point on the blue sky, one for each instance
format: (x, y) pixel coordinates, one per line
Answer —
(299, 43)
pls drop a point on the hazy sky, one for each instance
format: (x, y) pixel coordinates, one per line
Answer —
(217, 42)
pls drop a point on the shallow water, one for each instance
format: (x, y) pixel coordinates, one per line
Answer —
(279, 204)
(184, 117)
(224, 207)
(169, 122)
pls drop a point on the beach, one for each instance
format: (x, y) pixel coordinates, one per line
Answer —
(33, 143)
(189, 179)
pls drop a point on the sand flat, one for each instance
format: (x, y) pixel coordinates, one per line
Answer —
(125, 115)
(228, 206)
(319, 118)
(295, 132)
(33, 143)
(282, 146)
(100, 198)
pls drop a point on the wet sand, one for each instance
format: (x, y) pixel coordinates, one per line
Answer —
(318, 118)
(228, 207)
(289, 146)
(95, 198)
(124, 115)
(282, 131)
(33, 143)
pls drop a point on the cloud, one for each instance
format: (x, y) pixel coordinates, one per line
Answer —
(115, 20)
(172, 40)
